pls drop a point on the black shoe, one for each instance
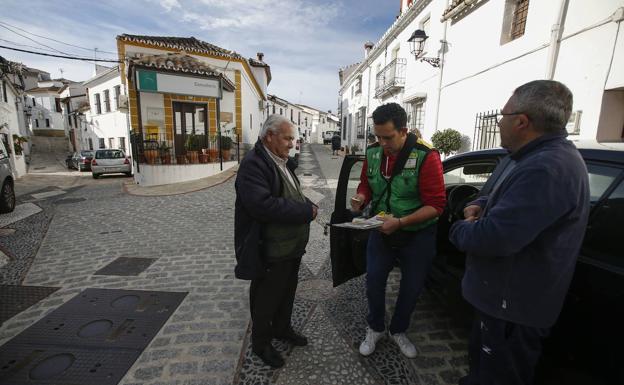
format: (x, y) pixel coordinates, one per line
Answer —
(270, 356)
(293, 338)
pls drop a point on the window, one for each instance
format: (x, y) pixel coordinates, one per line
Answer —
(4, 92)
(274, 108)
(122, 143)
(47, 122)
(604, 233)
(416, 115)
(37, 123)
(98, 105)
(600, 178)
(107, 105)
(291, 116)
(117, 93)
(360, 121)
(475, 174)
(111, 142)
(34, 102)
(514, 20)
(281, 112)
(299, 117)
(102, 144)
(90, 144)
(358, 85)
(57, 104)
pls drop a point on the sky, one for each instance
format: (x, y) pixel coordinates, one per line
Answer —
(305, 42)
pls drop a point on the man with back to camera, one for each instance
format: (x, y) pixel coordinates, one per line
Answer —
(415, 198)
(272, 227)
(523, 239)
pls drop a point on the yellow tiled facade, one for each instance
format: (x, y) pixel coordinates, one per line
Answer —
(238, 103)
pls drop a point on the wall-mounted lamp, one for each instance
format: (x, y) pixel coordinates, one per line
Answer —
(417, 46)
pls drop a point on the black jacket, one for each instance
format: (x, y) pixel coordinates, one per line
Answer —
(335, 142)
(258, 189)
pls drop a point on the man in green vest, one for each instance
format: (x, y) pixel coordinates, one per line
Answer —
(402, 180)
(271, 229)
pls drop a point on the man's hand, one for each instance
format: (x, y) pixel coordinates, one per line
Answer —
(472, 213)
(390, 224)
(357, 201)
(314, 211)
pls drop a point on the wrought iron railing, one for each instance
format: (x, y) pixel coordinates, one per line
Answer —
(487, 134)
(391, 76)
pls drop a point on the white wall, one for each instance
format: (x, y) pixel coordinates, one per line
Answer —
(150, 175)
(9, 123)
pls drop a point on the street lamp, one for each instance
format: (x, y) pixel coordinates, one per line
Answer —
(417, 46)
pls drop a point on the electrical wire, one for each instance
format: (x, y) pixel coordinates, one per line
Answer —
(57, 41)
(60, 56)
(26, 37)
(26, 45)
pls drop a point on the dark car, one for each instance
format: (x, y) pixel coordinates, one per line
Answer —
(80, 160)
(590, 331)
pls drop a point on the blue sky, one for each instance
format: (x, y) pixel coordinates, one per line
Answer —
(305, 42)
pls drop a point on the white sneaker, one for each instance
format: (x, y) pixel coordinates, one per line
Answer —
(407, 347)
(367, 347)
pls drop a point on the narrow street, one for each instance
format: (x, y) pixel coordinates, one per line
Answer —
(85, 224)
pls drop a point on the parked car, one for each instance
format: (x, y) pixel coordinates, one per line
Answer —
(111, 161)
(327, 136)
(80, 160)
(589, 333)
(7, 192)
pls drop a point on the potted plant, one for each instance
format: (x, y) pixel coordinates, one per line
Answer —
(447, 141)
(18, 141)
(192, 146)
(213, 151)
(165, 153)
(226, 147)
(354, 149)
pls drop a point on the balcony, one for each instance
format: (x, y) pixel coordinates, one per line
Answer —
(390, 78)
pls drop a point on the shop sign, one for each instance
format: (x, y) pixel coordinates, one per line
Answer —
(151, 81)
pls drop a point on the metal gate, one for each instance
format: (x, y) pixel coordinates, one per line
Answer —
(486, 134)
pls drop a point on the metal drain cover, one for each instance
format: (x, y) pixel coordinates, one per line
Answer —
(92, 339)
(125, 266)
(66, 201)
(15, 299)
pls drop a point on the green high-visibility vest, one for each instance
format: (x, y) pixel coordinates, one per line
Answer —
(404, 192)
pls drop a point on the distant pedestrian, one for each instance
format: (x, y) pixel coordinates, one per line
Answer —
(272, 226)
(335, 143)
(522, 240)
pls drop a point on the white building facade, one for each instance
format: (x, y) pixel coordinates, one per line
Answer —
(106, 120)
(10, 122)
(477, 53)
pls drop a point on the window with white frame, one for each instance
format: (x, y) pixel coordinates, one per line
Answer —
(107, 104)
(117, 93)
(111, 142)
(102, 144)
(360, 121)
(416, 114)
(122, 143)
(98, 105)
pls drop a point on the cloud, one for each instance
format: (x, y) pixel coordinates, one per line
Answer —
(168, 5)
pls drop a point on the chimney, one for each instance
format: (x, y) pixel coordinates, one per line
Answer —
(260, 56)
(367, 48)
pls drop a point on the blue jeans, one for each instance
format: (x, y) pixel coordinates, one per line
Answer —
(415, 260)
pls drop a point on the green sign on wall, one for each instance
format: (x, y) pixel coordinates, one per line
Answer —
(147, 81)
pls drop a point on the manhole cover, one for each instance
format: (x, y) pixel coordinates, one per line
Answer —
(93, 339)
(125, 266)
(65, 201)
(315, 289)
(15, 299)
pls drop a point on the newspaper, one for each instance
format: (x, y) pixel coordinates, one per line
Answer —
(361, 224)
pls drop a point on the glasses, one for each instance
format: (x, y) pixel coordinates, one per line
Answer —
(499, 116)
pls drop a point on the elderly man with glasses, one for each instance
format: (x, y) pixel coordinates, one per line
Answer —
(522, 239)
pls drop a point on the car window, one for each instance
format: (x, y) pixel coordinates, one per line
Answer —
(109, 154)
(603, 239)
(475, 174)
(354, 181)
(600, 178)
(86, 153)
(3, 151)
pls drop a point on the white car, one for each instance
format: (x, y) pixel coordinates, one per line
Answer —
(111, 161)
(327, 137)
(7, 191)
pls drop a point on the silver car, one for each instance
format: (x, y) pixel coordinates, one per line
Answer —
(111, 161)
(7, 193)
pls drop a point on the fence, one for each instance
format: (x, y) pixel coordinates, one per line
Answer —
(486, 133)
(166, 149)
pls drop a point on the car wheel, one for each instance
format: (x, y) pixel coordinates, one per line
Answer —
(95, 176)
(7, 197)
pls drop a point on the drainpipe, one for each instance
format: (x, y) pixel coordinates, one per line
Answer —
(556, 33)
(444, 47)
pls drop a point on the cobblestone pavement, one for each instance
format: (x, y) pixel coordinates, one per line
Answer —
(206, 341)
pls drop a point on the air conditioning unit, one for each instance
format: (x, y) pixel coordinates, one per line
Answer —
(261, 104)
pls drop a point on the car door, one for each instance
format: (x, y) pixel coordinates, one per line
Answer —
(347, 246)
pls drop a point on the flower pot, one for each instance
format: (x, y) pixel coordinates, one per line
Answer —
(225, 154)
(150, 156)
(213, 154)
(192, 156)
(181, 159)
(203, 158)
(165, 159)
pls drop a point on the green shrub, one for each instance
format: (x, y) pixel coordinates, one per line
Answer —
(447, 141)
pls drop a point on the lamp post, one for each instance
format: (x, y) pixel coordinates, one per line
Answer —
(417, 46)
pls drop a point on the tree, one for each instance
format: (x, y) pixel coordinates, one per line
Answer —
(447, 141)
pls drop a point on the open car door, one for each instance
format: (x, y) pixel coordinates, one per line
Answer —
(347, 246)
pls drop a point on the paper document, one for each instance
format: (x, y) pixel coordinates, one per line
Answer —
(361, 224)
